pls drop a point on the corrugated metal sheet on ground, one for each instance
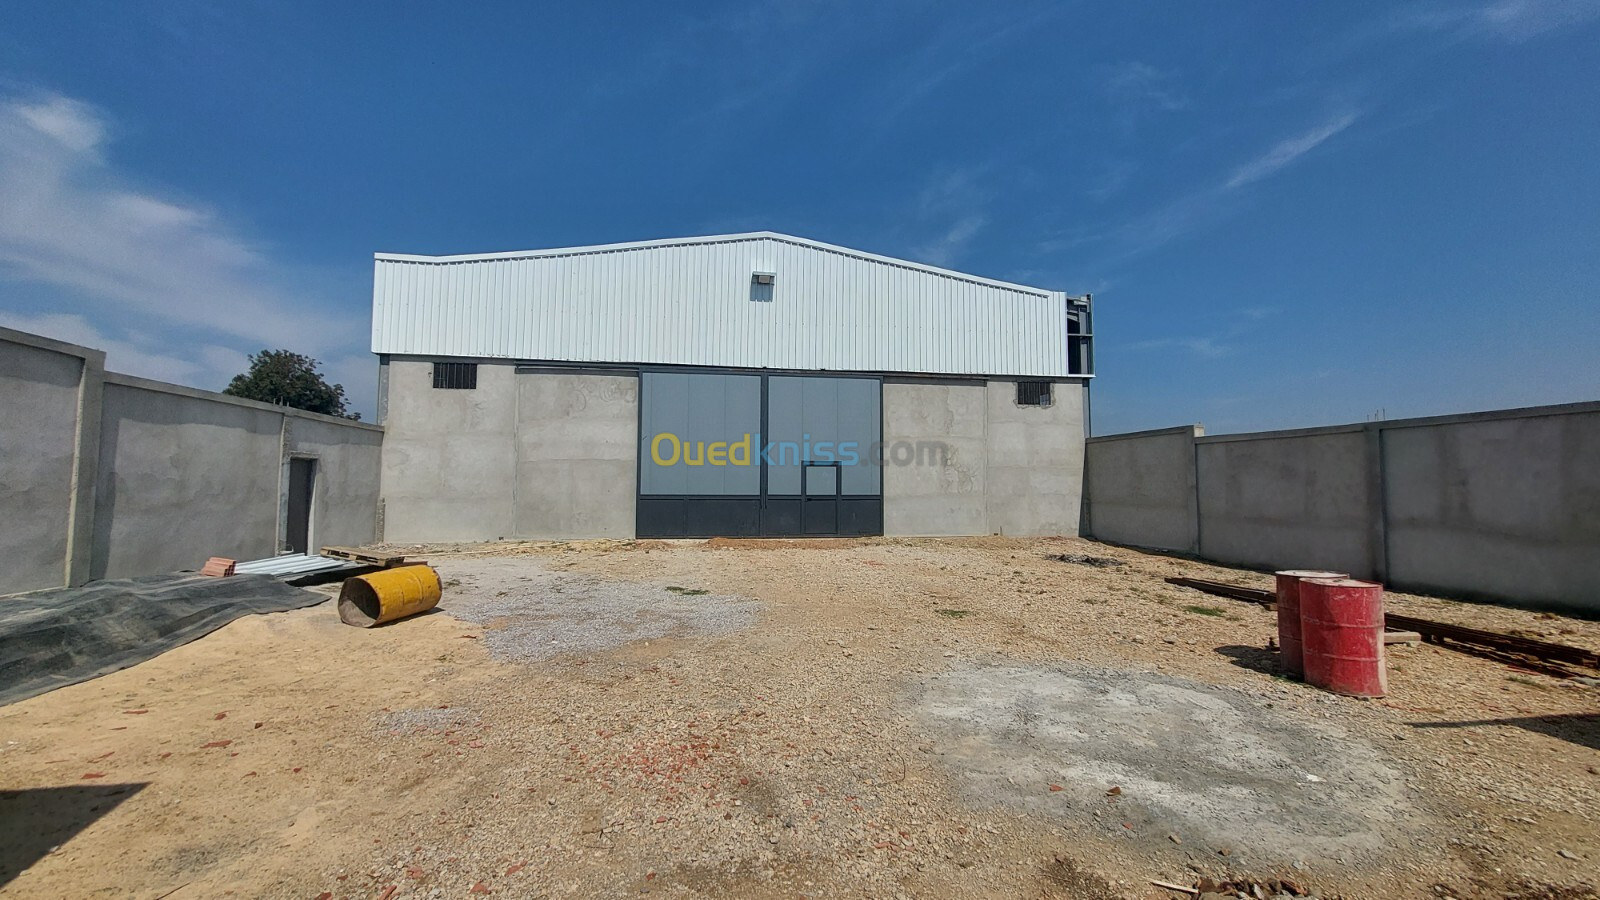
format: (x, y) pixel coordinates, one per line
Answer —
(693, 302)
(294, 564)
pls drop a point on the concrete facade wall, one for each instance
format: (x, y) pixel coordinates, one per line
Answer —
(537, 454)
(553, 454)
(1035, 464)
(108, 476)
(1007, 468)
(1140, 489)
(1501, 506)
(449, 456)
(948, 497)
(577, 455)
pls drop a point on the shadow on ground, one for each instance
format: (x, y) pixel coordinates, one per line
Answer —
(1582, 729)
(34, 821)
(1255, 659)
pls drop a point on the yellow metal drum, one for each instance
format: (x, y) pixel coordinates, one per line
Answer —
(368, 600)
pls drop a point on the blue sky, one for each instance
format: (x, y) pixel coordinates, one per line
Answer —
(1290, 214)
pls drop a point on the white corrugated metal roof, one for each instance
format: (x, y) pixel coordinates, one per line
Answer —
(691, 301)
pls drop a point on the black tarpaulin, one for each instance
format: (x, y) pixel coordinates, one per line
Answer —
(51, 639)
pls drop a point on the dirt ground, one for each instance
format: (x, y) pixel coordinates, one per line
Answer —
(872, 718)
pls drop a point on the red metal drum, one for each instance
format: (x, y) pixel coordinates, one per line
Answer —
(1289, 616)
(1342, 628)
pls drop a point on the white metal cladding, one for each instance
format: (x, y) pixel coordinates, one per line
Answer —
(693, 302)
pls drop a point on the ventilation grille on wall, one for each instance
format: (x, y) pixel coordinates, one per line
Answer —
(456, 376)
(1033, 393)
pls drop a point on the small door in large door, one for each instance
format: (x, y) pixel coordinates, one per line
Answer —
(819, 504)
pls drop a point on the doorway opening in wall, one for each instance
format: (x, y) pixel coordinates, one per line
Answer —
(739, 454)
(302, 488)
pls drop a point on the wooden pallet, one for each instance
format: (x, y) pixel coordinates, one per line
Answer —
(362, 556)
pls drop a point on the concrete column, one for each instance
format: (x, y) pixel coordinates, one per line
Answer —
(1192, 496)
(1378, 517)
(280, 536)
(85, 470)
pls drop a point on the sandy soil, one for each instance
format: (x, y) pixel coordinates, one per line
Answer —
(845, 718)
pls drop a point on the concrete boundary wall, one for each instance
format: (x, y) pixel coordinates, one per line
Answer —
(1501, 506)
(1139, 488)
(105, 475)
(49, 420)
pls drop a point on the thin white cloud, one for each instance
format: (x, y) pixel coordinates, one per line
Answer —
(166, 287)
(1257, 313)
(1141, 84)
(954, 202)
(957, 48)
(1288, 151)
(70, 220)
(67, 121)
(1509, 20)
(944, 250)
(1202, 206)
(1113, 180)
(1203, 347)
(208, 366)
(954, 190)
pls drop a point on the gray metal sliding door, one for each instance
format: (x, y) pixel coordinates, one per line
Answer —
(725, 454)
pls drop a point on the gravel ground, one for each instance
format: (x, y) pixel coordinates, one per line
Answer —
(533, 614)
(874, 718)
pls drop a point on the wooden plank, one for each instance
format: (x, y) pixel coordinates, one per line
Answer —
(1401, 637)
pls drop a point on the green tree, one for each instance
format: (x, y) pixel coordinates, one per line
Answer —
(289, 379)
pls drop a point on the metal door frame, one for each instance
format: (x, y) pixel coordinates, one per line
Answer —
(312, 466)
(838, 493)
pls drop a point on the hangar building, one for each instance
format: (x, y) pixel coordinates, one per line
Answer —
(733, 385)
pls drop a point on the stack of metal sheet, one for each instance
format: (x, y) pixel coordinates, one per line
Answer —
(294, 566)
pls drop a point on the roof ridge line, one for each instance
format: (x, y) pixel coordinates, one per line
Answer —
(739, 237)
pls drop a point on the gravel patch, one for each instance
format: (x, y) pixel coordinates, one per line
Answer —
(401, 721)
(531, 613)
